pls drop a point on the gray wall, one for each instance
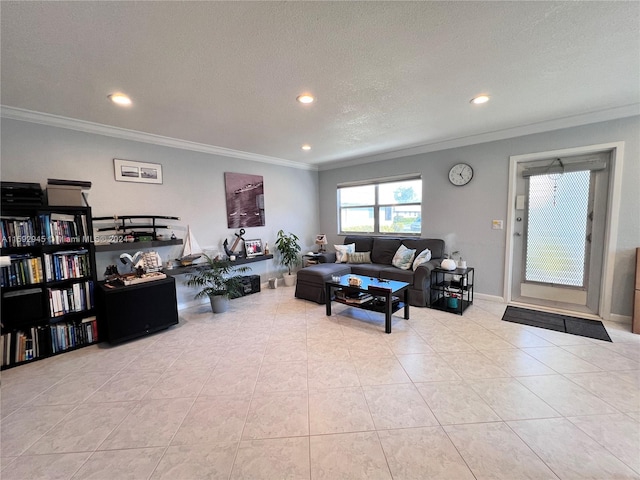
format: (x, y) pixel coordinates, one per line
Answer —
(193, 187)
(463, 215)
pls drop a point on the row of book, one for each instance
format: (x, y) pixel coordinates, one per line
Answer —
(67, 264)
(44, 340)
(45, 229)
(76, 298)
(23, 270)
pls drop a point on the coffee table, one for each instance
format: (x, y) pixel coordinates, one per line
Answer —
(382, 290)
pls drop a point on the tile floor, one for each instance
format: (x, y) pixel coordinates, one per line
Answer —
(274, 389)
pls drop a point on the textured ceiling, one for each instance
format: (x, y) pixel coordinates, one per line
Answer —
(387, 75)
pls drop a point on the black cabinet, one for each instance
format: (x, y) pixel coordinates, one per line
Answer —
(48, 281)
(127, 312)
(452, 290)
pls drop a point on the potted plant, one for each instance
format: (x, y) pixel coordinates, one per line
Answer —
(288, 247)
(218, 280)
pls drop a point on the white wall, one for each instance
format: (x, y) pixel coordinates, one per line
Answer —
(193, 187)
(462, 215)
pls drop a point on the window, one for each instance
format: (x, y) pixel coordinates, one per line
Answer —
(381, 206)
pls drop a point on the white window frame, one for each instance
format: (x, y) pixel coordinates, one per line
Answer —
(376, 206)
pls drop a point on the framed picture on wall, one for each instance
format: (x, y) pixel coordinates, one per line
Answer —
(140, 172)
(245, 200)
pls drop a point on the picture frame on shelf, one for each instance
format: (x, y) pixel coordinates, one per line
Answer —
(139, 172)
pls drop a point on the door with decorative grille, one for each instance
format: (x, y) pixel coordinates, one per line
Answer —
(561, 232)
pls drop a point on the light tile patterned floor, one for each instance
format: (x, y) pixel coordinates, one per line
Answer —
(275, 389)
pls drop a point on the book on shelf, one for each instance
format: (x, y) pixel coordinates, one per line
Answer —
(23, 270)
(68, 264)
(43, 340)
(358, 299)
(76, 298)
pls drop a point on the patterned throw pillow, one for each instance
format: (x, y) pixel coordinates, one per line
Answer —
(403, 258)
(343, 250)
(423, 257)
(359, 257)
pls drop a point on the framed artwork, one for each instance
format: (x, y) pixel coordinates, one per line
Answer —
(245, 200)
(130, 171)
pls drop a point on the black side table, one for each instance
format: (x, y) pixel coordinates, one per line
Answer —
(452, 290)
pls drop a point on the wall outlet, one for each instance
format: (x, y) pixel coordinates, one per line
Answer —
(496, 224)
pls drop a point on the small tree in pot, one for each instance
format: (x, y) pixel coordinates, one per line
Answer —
(288, 247)
(218, 280)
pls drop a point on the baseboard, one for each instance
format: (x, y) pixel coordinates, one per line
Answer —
(489, 298)
(623, 319)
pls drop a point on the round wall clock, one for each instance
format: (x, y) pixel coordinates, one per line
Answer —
(460, 174)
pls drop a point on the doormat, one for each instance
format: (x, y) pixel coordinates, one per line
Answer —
(560, 323)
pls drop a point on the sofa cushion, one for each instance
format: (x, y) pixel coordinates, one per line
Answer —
(403, 259)
(436, 245)
(321, 272)
(384, 249)
(342, 252)
(363, 244)
(359, 257)
(366, 269)
(393, 273)
(423, 257)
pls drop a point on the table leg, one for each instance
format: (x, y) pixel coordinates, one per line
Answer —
(387, 313)
(328, 299)
(406, 304)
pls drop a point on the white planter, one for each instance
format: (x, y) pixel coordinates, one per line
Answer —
(219, 303)
(289, 280)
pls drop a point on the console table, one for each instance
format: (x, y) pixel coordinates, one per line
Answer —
(127, 312)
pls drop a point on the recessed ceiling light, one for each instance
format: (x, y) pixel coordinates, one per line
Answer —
(480, 99)
(305, 98)
(306, 147)
(120, 99)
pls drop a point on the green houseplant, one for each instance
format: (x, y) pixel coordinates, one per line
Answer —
(288, 248)
(218, 280)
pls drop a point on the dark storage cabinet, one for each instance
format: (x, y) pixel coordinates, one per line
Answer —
(127, 312)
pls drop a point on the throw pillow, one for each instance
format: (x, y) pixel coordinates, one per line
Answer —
(343, 250)
(359, 257)
(423, 257)
(403, 258)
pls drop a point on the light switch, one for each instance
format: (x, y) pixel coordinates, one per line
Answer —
(496, 224)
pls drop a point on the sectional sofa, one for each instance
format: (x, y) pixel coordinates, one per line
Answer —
(311, 280)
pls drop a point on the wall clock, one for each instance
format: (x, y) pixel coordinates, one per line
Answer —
(460, 174)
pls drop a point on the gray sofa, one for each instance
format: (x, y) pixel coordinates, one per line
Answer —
(311, 280)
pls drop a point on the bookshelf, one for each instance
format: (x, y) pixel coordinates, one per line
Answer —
(47, 289)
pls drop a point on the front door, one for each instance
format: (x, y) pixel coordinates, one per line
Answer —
(561, 206)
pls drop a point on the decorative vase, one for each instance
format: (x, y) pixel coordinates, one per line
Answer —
(289, 279)
(448, 264)
(219, 303)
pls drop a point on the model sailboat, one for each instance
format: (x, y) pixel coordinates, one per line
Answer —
(191, 250)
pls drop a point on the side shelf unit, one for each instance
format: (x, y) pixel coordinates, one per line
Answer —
(452, 290)
(47, 291)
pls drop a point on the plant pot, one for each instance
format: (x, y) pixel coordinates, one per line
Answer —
(289, 279)
(219, 303)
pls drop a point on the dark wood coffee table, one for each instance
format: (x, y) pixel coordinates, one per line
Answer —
(382, 291)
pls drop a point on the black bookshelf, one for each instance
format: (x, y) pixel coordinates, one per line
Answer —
(47, 291)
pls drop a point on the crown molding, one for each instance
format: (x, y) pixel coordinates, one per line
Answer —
(136, 136)
(519, 131)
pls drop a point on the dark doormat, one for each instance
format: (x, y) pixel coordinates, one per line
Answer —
(560, 323)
